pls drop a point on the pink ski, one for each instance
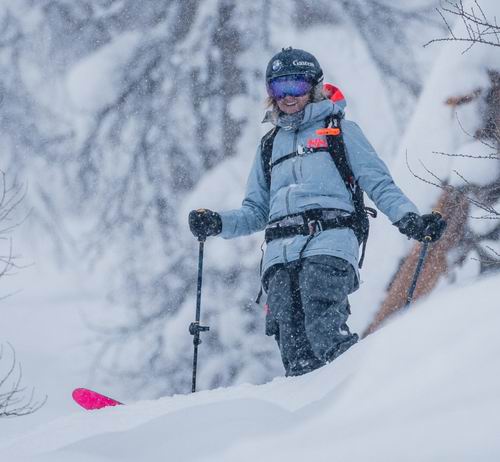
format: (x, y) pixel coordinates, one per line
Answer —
(91, 400)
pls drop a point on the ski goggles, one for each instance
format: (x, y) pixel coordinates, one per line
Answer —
(289, 85)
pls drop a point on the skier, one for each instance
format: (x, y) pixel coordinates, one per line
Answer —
(308, 210)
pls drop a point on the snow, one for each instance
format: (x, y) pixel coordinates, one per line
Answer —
(423, 388)
(43, 322)
(468, 169)
(434, 127)
(437, 127)
(85, 83)
(93, 83)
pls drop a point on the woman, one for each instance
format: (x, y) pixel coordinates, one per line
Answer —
(309, 274)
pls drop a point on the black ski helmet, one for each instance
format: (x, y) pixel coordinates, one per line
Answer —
(292, 61)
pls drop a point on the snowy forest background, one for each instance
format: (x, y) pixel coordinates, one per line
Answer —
(118, 117)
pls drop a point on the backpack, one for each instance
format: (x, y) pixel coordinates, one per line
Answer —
(359, 222)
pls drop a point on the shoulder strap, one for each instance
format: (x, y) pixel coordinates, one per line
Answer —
(266, 153)
(361, 224)
(337, 150)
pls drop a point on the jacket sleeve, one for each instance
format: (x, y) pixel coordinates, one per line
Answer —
(253, 214)
(373, 175)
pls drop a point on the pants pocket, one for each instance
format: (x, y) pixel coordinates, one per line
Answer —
(330, 264)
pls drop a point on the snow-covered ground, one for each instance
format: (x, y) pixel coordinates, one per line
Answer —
(425, 387)
(43, 319)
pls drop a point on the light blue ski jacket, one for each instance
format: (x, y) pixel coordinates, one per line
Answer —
(312, 181)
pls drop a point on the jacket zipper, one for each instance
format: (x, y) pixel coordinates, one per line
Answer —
(287, 199)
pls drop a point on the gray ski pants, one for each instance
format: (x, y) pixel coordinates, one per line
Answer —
(308, 310)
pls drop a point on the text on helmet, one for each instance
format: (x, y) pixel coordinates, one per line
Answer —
(296, 62)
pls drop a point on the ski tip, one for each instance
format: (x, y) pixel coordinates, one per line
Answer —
(91, 400)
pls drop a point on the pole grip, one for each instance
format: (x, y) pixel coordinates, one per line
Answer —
(437, 214)
(420, 263)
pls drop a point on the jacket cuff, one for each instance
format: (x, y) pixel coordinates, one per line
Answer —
(402, 211)
(228, 225)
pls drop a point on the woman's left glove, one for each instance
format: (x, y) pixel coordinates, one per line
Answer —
(204, 223)
(430, 226)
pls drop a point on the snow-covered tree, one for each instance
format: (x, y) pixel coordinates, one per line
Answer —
(460, 155)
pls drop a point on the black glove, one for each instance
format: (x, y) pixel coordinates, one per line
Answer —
(204, 222)
(426, 227)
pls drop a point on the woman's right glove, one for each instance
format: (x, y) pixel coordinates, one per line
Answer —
(430, 226)
(204, 223)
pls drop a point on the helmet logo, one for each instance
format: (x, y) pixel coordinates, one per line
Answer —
(296, 62)
(277, 65)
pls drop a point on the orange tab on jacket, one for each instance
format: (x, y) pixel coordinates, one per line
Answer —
(328, 131)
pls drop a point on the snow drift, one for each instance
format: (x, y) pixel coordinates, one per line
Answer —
(423, 388)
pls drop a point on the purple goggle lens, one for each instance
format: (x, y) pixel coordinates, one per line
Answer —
(288, 86)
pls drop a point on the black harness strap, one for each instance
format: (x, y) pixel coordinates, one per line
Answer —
(360, 222)
(296, 154)
(282, 232)
(266, 153)
(337, 149)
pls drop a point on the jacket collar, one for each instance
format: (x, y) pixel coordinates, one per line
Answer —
(313, 113)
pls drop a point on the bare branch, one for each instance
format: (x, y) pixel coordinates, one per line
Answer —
(441, 184)
(479, 28)
(474, 136)
(489, 261)
(486, 217)
(13, 401)
(492, 250)
(467, 156)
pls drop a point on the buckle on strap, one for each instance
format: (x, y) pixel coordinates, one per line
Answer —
(314, 226)
(312, 220)
(303, 218)
(291, 220)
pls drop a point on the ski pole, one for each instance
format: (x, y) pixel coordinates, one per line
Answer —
(420, 264)
(194, 327)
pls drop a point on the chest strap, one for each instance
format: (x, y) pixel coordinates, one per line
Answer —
(301, 151)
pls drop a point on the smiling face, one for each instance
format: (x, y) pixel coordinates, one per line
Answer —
(292, 104)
